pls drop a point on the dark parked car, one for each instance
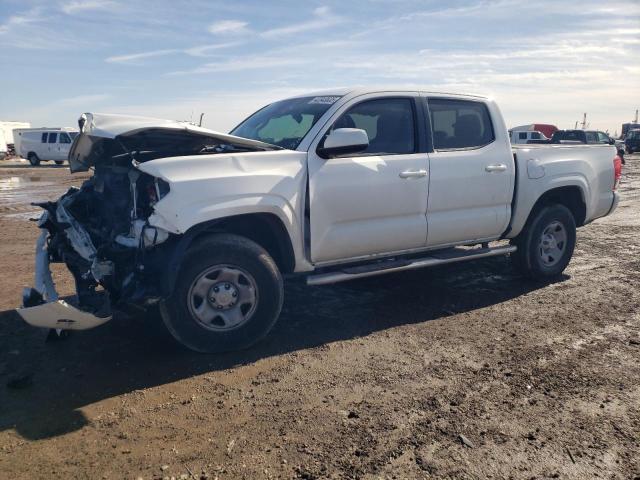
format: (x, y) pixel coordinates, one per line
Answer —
(632, 142)
(582, 136)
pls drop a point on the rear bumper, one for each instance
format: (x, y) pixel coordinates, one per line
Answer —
(614, 204)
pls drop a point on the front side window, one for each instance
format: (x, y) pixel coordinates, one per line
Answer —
(460, 124)
(535, 136)
(53, 137)
(44, 137)
(592, 137)
(389, 124)
(285, 123)
(603, 137)
(64, 138)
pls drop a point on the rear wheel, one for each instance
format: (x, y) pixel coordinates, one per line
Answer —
(33, 159)
(228, 295)
(546, 245)
(59, 162)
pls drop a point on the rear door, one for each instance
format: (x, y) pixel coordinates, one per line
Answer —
(471, 173)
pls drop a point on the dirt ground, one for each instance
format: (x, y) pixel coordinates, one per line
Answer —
(461, 372)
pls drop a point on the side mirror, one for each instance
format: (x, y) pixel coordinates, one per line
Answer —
(343, 141)
(612, 141)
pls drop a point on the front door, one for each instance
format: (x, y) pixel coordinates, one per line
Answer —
(53, 147)
(64, 145)
(373, 202)
(471, 174)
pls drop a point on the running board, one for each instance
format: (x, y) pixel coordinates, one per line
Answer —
(441, 257)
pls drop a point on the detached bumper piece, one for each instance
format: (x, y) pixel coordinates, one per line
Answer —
(58, 315)
(41, 306)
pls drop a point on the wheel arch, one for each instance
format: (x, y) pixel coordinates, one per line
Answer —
(265, 229)
(571, 196)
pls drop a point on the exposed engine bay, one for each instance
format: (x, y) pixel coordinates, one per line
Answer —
(101, 231)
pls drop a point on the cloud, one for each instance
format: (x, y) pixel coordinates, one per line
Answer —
(86, 101)
(133, 57)
(323, 19)
(229, 27)
(252, 62)
(196, 51)
(20, 20)
(76, 6)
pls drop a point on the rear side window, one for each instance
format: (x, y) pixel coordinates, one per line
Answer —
(53, 137)
(460, 124)
(44, 137)
(389, 124)
(522, 135)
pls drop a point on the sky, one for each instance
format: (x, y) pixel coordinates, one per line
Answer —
(543, 61)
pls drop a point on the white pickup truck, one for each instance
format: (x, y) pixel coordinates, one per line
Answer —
(332, 186)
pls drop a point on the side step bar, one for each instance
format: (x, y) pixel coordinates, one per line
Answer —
(441, 257)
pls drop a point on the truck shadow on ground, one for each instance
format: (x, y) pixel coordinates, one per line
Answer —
(52, 381)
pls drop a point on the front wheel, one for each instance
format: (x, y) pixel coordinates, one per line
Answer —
(546, 244)
(33, 159)
(228, 295)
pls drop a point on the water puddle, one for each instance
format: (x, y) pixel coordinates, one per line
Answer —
(17, 193)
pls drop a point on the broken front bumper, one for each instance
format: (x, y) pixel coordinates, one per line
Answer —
(41, 307)
(60, 315)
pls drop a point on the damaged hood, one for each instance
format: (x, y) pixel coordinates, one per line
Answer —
(109, 138)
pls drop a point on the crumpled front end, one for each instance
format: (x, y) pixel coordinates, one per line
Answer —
(104, 231)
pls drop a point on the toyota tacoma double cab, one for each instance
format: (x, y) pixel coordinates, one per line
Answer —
(331, 186)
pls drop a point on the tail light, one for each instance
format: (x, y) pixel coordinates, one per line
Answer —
(617, 168)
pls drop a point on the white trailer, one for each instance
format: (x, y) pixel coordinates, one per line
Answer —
(7, 143)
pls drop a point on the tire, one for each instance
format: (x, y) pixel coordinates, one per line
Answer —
(33, 159)
(546, 244)
(59, 162)
(243, 299)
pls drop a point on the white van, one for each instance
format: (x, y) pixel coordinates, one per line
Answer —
(44, 144)
(523, 136)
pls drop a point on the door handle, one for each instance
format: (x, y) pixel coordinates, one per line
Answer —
(413, 174)
(501, 167)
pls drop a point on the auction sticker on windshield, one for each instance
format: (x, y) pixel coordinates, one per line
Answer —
(324, 100)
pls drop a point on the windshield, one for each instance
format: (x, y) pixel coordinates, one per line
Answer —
(285, 123)
(634, 134)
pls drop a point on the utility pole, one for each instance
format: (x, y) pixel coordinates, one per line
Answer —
(200, 122)
(584, 121)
